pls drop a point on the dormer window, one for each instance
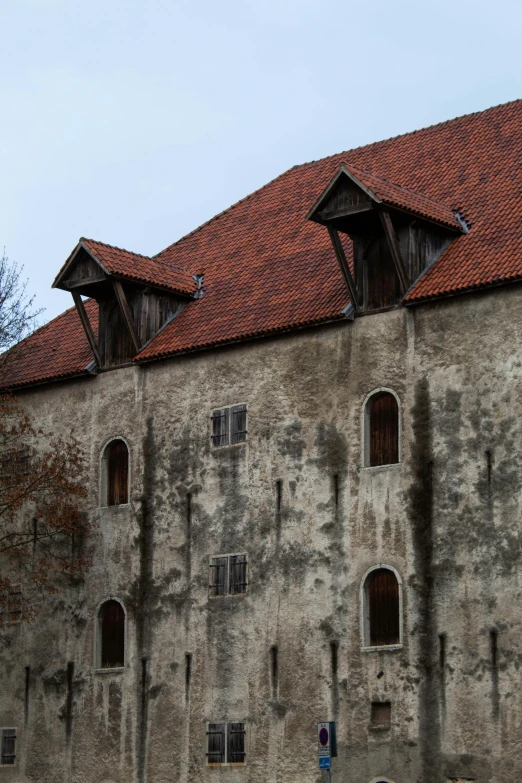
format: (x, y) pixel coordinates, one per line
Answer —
(384, 235)
(136, 297)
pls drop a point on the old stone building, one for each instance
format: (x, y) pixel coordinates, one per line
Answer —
(303, 438)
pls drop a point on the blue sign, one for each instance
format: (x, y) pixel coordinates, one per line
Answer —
(324, 762)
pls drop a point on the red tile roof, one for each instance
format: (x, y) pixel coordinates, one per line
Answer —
(404, 198)
(267, 269)
(138, 268)
(57, 350)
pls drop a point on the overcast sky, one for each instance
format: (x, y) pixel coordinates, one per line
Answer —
(133, 122)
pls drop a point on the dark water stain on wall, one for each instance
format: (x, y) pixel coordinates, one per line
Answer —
(144, 596)
(420, 511)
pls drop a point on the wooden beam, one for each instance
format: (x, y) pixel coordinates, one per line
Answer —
(127, 314)
(354, 209)
(86, 281)
(395, 250)
(343, 263)
(78, 301)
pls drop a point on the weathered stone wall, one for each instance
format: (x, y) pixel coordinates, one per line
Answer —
(447, 522)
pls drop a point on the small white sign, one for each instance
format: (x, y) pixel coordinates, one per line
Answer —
(323, 739)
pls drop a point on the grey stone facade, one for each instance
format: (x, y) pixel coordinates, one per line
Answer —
(446, 518)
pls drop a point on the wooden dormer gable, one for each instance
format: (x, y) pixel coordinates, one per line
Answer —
(132, 306)
(384, 235)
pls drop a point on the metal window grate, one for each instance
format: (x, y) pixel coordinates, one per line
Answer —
(8, 746)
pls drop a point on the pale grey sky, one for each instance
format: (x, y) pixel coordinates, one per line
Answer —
(133, 122)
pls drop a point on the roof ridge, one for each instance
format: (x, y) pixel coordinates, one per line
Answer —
(133, 253)
(410, 133)
(114, 247)
(398, 185)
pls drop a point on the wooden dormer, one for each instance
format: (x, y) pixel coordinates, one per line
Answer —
(136, 297)
(395, 233)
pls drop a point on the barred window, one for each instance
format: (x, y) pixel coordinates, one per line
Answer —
(8, 755)
(229, 425)
(226, 743)
(228, 575)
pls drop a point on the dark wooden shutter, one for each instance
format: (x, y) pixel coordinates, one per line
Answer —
(117, 474)
(236, 743)
(216, 743)
(383, 599)
(239, 423)
(220, 427)
(218, 575)
(238, 567)
(384, 429)
(8, 746)
(112, 629)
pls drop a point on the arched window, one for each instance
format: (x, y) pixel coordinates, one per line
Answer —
(115, 485)
(382, 608)
(382, 429)
(111, 635)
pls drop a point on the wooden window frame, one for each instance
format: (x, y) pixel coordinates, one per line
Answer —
(226, 734)
(98, 668)
(104, 474)
(14, 734)
(230, 437)
(227, 592)
(365, 430)
(365, 612)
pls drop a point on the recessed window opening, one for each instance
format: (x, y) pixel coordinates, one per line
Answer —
(381, 429)
(381, 714)
(115, 479)
(11, 605)
(111, 635)
(8, 751)
(229, 425)
(226, 743)
(228, 575)
(382, 608)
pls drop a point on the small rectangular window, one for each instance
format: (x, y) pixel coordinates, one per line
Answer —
(218, 575)
(236, 743)
(229, 425)
(8, 746)
(237, 570)
(220, 427)
(216, 743)
(381, 713)
(228, 575)
(226, 743)
(239, 423)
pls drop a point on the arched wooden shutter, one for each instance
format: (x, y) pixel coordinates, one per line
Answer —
(384, 429)
(383, 601)
(117, 474)
(112, 630)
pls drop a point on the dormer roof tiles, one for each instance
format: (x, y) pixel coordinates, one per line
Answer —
(267, 269)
